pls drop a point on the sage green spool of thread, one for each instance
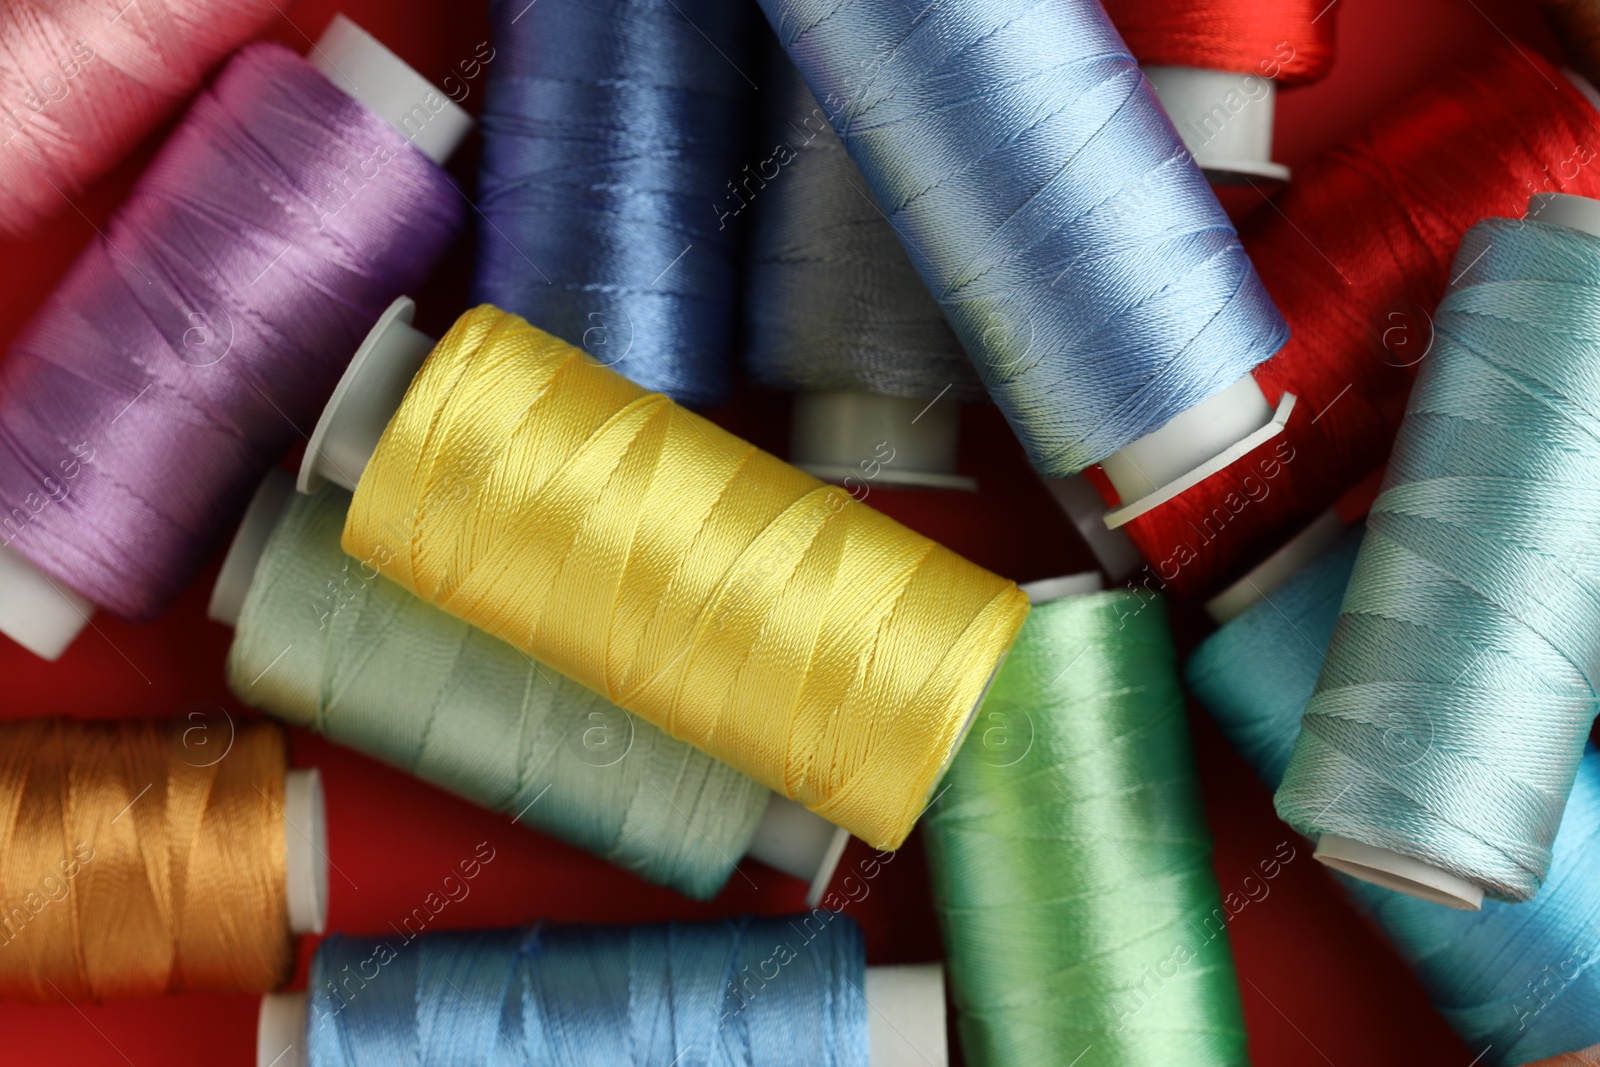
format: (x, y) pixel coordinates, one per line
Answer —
(1071, 861)
(1460, 683)
(325, 643)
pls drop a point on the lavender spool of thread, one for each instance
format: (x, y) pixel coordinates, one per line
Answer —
(201, 333)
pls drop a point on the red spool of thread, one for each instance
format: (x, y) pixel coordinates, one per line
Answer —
(1357, 256)
(1290, 41)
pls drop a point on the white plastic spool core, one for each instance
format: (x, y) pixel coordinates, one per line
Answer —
(1192, 447)
(800, 843)
(1114, 550)
(905, 1020)
(357, 62)
(871, 439)
(305, 831)
(1047, 589)
(1224, 118)
(1276, 568)
(365, 399)
(239, 565)
(37, 612)
(1382, 866)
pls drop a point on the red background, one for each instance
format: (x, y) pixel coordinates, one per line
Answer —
(1317, 985)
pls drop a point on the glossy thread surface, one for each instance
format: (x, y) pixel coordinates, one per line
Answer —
(1071, 861)
(1518, 982)
(1459, 686)
(825, 650)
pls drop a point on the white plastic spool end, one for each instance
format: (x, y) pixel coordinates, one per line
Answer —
(875, 439)
(1114, 550)
(800, 843)
(1403, 874)
(305, 830)
(37, 612)
(1192, 447)
(905, 1016)
(358, 63)
(365, 399)
(1224, 118)
(1563, 209)
(905, 1020)
(281, 1030)
(1273, 571)
(249, 542)
(1048, 589)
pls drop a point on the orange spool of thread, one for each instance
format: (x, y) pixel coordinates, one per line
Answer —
(145, 857)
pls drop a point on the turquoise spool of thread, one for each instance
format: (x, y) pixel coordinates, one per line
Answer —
(1521, 982)
(1460, 682)
(1070, 858)
(324, 642)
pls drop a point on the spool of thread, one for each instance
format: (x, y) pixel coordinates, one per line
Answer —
(835, 313)
(1216, 66)
(325, 643)
(145, 857)
(1357, 256)
(742, 992)
(1055, 216)
(1070, 858)
(1458, 691)
(611, 183)
(81, 81)
(190, 345)
(1518, 981)
(737, 603)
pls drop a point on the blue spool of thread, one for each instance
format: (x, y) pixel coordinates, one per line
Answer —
(744, 992)
(614, 131)
(1048, 205)
(1521, 981)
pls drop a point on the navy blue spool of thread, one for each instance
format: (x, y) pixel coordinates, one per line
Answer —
(624, 996)
(1048, 205)
(614, 133)
(1522, 980)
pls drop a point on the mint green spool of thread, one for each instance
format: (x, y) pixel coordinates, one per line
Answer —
(1071, 861)
(1460, 683)
(325, 643)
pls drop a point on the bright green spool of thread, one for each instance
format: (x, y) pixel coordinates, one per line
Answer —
(1071, 861)
(325, 643)
(1464, 671)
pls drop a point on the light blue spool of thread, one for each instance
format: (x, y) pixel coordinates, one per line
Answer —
(613, 133)
(1048, 205)
(623, 996)
(1521, 981)
(1471, 625)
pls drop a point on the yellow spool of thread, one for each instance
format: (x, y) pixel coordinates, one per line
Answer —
(736, 602)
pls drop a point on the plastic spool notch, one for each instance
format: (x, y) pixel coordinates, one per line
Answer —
(1193, 446)
(41, 615)
(873, 439)
(1224, 118)
(905, 1020)
(358, 63)
(249, 542)
(305, 831)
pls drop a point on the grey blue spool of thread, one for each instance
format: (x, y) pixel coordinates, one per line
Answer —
(326, 643)
(614, 131)
(831, 300)
(1471, 625)
(1521, 981)
(1048, 205)
(624, 996)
